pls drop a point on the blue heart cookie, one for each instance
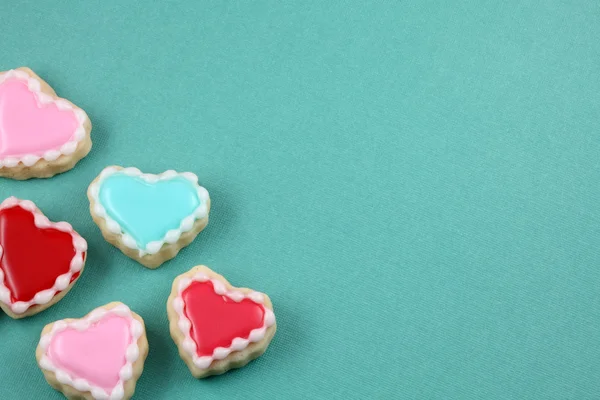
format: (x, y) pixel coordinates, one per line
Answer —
(147, 211)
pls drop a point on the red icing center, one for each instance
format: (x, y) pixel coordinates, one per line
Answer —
(33, 257)
(217, 319)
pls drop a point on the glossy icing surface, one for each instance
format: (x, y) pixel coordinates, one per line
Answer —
(95, 354)
(147, 211)
(32, 257)
(29, 127)
(217, 319)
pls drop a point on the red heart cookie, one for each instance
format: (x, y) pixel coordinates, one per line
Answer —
(218, 327)
(39, 260)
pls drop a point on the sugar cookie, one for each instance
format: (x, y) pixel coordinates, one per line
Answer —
(148, 217)
(216, 326)
(41, 135)
(100, 356)
(40, 261)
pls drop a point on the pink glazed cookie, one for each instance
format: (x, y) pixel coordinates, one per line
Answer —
(41, 134)
(100, 356)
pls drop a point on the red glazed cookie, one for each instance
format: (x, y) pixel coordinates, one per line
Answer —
(39, 260)
(218, 327)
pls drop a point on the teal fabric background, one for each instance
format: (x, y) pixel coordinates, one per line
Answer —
(415, 184)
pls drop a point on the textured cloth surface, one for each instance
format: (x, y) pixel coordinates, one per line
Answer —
(415, 184)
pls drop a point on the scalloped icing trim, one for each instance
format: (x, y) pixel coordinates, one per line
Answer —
(64, 280)
(173, 235)
(238, 343)
(53, 154)
(131, 355)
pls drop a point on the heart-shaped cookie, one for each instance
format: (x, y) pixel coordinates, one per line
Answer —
(149, 217)
(100, 356)
(218, 327)
(39, 260)
(40, 134)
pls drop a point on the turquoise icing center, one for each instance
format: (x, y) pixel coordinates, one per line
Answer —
(147, 211)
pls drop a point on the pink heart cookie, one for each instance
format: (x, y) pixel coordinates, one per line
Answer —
(40, 134)
(100, 356)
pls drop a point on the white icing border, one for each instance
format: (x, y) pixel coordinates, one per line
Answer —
(64, 280)
(66, 149)
(131, 355)
(171, 236)
(237, 344)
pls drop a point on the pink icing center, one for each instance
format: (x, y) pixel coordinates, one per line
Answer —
(96, 354)
(29, 127)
